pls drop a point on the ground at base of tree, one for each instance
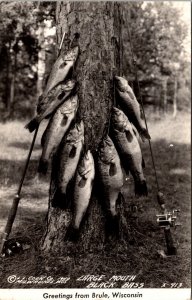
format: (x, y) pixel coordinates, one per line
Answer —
(139, 255)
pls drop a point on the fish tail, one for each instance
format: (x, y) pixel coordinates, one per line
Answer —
(72, 234)
(112, 225)
(60, 200)
(141, 188)
(112, 169)
(144, 134)
(82, 182)
(143, 163)
(43, 166)
(32, 125)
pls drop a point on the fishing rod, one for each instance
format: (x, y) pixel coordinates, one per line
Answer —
(15, 203)
(165, 220)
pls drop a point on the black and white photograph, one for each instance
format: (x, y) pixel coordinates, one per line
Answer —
(95, 150)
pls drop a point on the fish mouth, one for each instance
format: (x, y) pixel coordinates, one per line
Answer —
(107, 141)
(68, 86)
(115, 110)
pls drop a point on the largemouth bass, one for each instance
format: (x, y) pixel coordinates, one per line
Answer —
(69, 156)
(83, 188)
(129, 149)
(56, 129)
(61, 68)
(111, 174)
(49, 104)
(130, 105)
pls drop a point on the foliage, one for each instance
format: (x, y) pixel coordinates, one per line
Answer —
(157, 35)
(19, 51)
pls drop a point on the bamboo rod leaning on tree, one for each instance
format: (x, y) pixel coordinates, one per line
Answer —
(13, 210)
(15, 203)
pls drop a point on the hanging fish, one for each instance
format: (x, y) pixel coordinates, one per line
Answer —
(129, 149)
(49, 104)
(56, 129)
(136, 132)
(83, 188)
(43, 138)
(130, 105)
(69, 156)
(61, 69)
(111, 174)
(139, 140)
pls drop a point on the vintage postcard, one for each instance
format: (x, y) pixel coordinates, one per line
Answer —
(95, 125)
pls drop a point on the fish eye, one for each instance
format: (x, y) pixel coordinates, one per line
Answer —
(61, 95)
(63, 65)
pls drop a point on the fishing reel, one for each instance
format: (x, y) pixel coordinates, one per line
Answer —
(168, 219)
(11, 247)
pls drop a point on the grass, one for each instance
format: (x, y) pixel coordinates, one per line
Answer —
(171, 147)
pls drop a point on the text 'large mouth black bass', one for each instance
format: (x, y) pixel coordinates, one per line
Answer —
(70, 152)
(130, 105)
(56, 129)
(49, 104)
(129, 149)
(111, 174)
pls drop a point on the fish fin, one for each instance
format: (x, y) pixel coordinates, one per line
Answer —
(82, 182)
(141, 188)
(134, 131)
(143, 163)
(60, 200)
(112, 169)
(32, 125)
(144, 134)
(43, 166)
(112, 226)
(129, 136)
(64, 120)
(43, 138)
(119, 198)
(72, 234)
(73, 152)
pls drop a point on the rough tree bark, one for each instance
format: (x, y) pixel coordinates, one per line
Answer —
(97, 23)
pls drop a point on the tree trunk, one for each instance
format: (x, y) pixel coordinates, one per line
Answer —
(41, 60)
(98, 26)
(175, 98)
(10, 99)
(164, 94)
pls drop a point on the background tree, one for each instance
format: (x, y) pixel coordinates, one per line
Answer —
(27, 40)
(24, 37)
(157, 33)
